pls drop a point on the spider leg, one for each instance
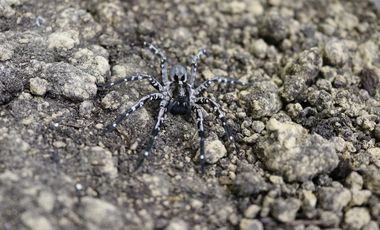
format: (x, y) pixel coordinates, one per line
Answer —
(194, 65)
(219, 113)
(204, 86)
(136, 106)
(163, 60)
(154, 134)
(201, 133)
(153, 81)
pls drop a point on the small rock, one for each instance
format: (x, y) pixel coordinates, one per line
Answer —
(259, 48)
(111, 100)
(102, 159)
(6, 9)
(215, 150)
(330, 219)
(100, 214)
(273, 28)
(252, 211)
(255, 7)
(157, 184)
(309, 200)
(111, 13)
(374, 153)
(372, 180)
(258, 126)
(64, 40)
(146, 27)
(298, 73)
(38, 86)
(177, 224)
(360, 197)
(80, 20)
(355, 181)
(248, 224)
(10, 85)
(6, 51)
(93, 64)
(372, 225)
(234, 7)
(285, 210)
(369, 80)
(262, 99)
(293, 153)
(333, 198)
(46, 200)
(356, 218)
(335, 52)
(86, 108)
(196, 204)
(70, 82)
(34, 221)
(181, 34)
(250, 184)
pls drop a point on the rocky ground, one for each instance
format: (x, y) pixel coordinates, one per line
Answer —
(306, 154)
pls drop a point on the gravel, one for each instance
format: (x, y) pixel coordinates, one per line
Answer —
(306, 127)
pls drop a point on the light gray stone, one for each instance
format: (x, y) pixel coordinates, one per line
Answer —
(215, 150)
(38, 86)
(356, 218)
(292, 152)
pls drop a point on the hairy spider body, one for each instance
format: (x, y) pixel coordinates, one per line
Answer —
(178, 97)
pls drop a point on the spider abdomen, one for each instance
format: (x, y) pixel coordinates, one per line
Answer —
(179, 108)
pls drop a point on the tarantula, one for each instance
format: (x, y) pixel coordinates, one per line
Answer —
(178, 97)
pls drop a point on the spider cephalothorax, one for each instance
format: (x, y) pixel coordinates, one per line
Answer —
(178, 96)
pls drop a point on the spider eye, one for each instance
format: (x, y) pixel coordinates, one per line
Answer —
(178, 73)
(183, 78)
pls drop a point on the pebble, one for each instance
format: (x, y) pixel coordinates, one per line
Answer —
(34, 221)
(91, 63)
(69, 81)
(252, 211)
(356, 218)
(6, 51)
(215, 150)
(46, 200)
(285, 210)
(374, 153)
(64, 40)
(334, 198)
(290, 151)
(38, 86)
(111, 101)
(103, 160)
(100, 213)
(354, 181)
(250, 184)
(262, 100)
(86, 108)
(177, 224)
(372, 179)
(259, 48)
(335, 52)
(248, 224)
(273, 27)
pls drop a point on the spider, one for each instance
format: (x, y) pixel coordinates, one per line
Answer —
(178, 96)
